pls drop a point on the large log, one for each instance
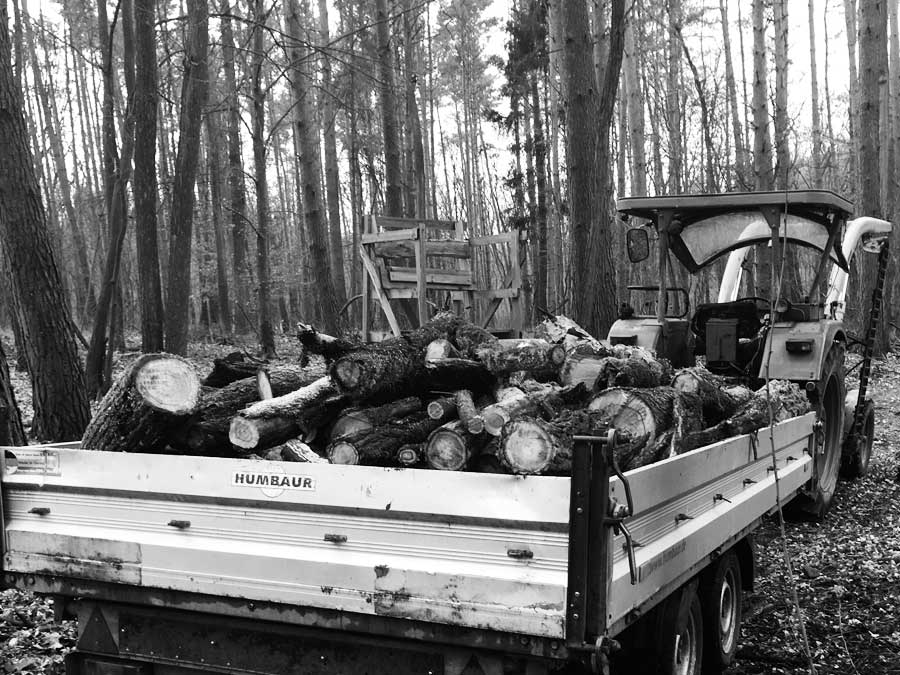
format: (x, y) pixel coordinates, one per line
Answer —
(547, 399)
(451, 447)
(277, 419)
(782, 398)
(379, 447)
(632, 372)
(720, 396)
(529, 355)
(356, 420)
(156, 393)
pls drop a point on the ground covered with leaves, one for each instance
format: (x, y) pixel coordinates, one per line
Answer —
(846, 571)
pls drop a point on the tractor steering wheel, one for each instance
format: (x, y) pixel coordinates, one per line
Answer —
(756, 298)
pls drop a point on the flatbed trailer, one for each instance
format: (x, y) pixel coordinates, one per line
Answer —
(176, 565)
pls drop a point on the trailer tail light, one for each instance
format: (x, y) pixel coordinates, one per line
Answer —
(799, 346)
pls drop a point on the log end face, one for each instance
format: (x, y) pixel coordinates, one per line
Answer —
(169, 384)
(446, 451)
(342, 452)
(526, 448)
(347, 373)
(243, 433)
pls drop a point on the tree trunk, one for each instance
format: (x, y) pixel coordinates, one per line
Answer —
(60, 405)
(11, 430)
(814, 99)
(143, 405)
(214, 165)
(674, 88)
(762, 143)
(332, 176)
(634, 102)
(853, 107)
(241, 268)
(311, 176)
(740, 149)
(390, 125)
(193, 99)
(540, 214)
(782, 150)
(589, 116)
(146, 100)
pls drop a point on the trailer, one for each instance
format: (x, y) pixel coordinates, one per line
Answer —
(175, 565)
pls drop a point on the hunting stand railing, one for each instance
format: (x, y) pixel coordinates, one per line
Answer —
(411, 259)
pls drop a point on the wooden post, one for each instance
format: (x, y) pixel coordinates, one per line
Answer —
(421, 235)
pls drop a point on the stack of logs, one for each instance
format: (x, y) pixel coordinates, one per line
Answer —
(448, 396)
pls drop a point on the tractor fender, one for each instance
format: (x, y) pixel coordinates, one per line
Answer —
(799, 349)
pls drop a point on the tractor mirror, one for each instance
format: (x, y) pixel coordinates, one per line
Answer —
(638, 244)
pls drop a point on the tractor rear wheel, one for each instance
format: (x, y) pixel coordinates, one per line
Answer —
(828, 402)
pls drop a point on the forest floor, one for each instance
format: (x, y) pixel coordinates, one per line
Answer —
(846, 569)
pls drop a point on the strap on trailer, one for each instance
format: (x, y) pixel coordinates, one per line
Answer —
(592, 516)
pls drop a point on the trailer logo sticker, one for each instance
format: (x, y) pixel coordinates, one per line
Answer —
(656, 563)
(273, 482)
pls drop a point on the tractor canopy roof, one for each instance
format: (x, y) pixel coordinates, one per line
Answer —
(702, 228)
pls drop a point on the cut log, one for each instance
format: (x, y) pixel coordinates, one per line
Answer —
(530, 445)
(411, 455)
(356, 420)
(720, 397)
(158, 392)
(294, 450)
(441, 349)
(785, 398)
(562, 330)
(276, 420)
(468, 413)
(529, 355)
(263, 384)
(632, 372)
(231, 368)
(469, 338)
(328, 346)
(547, 399)
(379, 446)
(449, 374)
(442, 408)
(641, 415)
(451, 447)
(206, 431)
(582, 365)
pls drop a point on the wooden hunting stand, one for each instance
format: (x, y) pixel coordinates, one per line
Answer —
(406, 259)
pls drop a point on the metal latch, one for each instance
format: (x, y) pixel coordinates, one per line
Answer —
(618, 512)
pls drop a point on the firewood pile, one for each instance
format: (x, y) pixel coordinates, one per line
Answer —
(448, 396)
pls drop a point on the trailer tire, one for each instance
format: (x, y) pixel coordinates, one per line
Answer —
(828, 402)
(720, 599)
(858, 447)
(670, 641)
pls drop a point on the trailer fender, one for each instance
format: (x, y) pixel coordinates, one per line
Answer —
(745, 550)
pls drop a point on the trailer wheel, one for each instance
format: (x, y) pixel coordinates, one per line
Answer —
(670, 641)
(858, 447)
(720, 598)
(828, 402)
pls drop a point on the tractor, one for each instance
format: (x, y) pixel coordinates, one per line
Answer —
(760, 337)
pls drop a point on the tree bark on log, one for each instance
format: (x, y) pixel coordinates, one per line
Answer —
(440, 349)
(548, 399)
(206, 431)
(328, 346)
(786, 398)
(451, 447)
(379, 446)
(720, 397)
(356, 420)
(632, 372)
(157, 393)
(276, 420)
(295, 450)
(468, 413)
(231, 368)
(529, 355)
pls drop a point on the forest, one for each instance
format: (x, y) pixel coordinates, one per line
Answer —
(203, 170)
